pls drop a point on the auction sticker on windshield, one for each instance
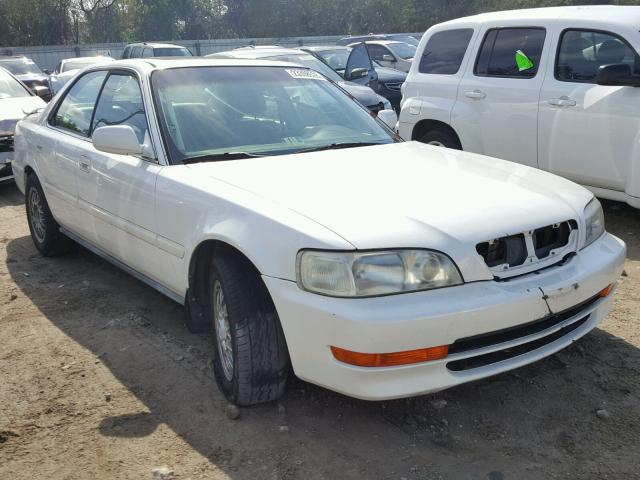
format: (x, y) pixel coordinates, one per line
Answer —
(304, 73)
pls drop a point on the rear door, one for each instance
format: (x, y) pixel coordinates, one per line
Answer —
(68, 127)
(588, 132)
(496, 112)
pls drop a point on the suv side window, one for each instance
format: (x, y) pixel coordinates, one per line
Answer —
(510, 52)
(147, 52)
(581, 53)
(444, 51)
(136, 52)
(121, 103)
(127, 52)
(76, 109)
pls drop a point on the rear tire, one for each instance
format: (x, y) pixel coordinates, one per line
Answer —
(251, 361)
(45, 231)
(441, 137)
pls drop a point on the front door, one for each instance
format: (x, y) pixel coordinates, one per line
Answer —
(119, 190)
(358, 62)
(496, 111)
(588, 132)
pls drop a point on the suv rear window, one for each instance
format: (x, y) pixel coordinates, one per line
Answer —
(444, 52)
(511, 53)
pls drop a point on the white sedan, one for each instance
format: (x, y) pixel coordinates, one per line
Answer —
(306, 235)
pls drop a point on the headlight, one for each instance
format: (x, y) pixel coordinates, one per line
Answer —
(364, 274)
(594, 220)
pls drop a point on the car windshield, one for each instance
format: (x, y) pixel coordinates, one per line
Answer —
(403, 50)
(10, 87)
(336, 59)
(308, 60)
(171, 52)
(20, 66)
(229, 112)
(77, 65)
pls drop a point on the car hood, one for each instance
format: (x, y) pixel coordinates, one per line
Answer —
(365, 95)
(13, 110)
(409, 195)
(390, 75)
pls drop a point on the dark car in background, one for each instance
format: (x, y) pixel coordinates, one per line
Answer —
(389, 81)
(144, 50)
(26, 70)
(396, 37)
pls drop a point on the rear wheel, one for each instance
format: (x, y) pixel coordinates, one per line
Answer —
(251, 361)
(45, 231)
(441, 137)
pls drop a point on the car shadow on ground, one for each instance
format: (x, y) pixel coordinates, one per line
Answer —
(536, 422)
(10, 195)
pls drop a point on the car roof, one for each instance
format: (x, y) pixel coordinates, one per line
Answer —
(382, 42)
(13, 57)
(623, 14)
(321, 48)
(166, 63)
(155, 45)
(84, 59)
(257, 52)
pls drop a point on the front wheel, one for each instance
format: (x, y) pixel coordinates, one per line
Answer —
(251, 360)
(45, 231)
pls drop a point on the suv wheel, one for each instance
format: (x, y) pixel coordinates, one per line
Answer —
(251, 360)
(441, 137)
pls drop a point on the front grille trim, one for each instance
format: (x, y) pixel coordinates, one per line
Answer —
(568, 318)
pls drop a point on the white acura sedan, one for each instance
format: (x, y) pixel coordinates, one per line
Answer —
(306, 236)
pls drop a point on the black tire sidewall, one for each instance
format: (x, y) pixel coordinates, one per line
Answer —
(443, 136)
(45, 247)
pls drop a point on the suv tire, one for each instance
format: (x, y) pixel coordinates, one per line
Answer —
(441, 137)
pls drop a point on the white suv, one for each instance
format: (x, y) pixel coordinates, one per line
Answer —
(550, 88)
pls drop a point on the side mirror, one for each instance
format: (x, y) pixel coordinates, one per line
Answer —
(388, 58)
(42, 92)
(389, 117)
(117, 139)
(357, 73)
(617, 75)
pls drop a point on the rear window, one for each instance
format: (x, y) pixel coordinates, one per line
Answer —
(511, 53)
(444, 52)
(171, 52)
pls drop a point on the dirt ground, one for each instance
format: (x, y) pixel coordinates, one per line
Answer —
(99, 378)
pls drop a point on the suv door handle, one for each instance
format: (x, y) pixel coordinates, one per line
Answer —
(475, 94)
(85, 164)
(563, 101)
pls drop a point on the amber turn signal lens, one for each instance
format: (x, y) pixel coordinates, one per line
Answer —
(390, 359)
(606, 292)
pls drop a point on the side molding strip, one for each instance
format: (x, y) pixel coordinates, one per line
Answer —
(114, 261)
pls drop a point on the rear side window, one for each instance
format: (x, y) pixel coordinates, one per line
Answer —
(582, 53)
(511, 53)
(147, 52)
(136, 52)
(76, 109)
(444, 52)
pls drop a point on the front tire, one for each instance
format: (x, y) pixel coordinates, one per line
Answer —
(251, 361)
(45, 231)
(441, 137)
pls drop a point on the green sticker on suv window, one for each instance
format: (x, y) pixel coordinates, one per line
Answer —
(523, 62)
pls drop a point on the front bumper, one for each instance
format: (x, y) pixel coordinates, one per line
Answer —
(6, 157)
(313, 323)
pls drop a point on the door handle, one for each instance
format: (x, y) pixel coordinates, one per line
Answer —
(563, 102)
(85, 164)
(475, 94)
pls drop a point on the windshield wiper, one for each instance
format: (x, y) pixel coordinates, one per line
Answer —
(338, 146)
(220, 157)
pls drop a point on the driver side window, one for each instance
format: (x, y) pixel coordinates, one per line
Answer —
(377, 52)
(121, 104)
(75, 111)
